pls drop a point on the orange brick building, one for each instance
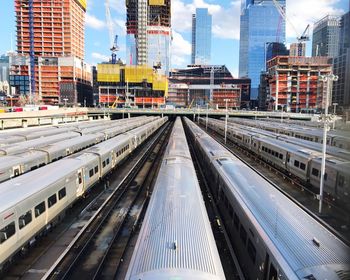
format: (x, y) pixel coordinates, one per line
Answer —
(294, 82)
(54, 32)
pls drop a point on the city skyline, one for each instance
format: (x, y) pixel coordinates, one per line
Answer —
(225, 28)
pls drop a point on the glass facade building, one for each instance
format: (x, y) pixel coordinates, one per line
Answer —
(201, 37)
(261, 24)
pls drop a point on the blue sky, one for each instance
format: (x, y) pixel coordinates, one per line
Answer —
(225, 41)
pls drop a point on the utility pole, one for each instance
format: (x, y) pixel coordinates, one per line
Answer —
(226, 100)
(328, 80)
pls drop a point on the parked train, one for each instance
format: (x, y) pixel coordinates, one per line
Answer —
(14, 165)
(30, 133)
(273, 237)
(299, 161)
(33, 202)
(176, 239)
(338, 139)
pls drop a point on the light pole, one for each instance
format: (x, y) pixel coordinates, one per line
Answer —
(226, 100)
(206, 122)
(334, 113)
(328, 80)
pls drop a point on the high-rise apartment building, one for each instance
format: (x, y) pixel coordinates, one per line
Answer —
(341, 65)
(325, 37)
(50, 47)
(261, 24)
(148, 27)
(201, 37)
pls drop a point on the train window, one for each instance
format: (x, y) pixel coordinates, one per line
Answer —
(25, 219)
(302, 166)
(107, 161)
(341, 180)
(80, 179)
(251, 250)
(7, 232)
(325, 176)
(61, 193)
(315, 172)
(96, 169)
(104, 164)
(281, 156)
(39, 209)
(296, 163)
(243, 234)
(273, 273)
(236, 221)
(91, 172)
(51, 201)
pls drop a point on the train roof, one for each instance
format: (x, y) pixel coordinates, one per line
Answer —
(176, 240)
(293, 232)
(12, 160)
(26, 185)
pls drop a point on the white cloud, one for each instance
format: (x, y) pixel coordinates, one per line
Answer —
(99, 56)
(180, 50)
(94, 22)
(301, 13)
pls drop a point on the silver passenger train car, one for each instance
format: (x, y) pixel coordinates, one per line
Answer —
(176, 239)
(300, 161)
(33, 202)
(272, 236)
(14, 165)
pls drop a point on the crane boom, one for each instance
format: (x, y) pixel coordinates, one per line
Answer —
(305, 36)
(113, 39)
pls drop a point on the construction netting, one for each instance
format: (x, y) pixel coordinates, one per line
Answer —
(108, 73)
(160, 82)
(138, 74)
(156, 2)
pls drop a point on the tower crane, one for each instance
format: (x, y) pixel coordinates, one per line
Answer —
(113, 39)
(305, 35)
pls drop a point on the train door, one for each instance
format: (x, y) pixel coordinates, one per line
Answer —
(16, 170)
(80, 182)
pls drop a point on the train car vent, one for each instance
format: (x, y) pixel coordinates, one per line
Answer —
(316, 242)
(310, 277)
(343, 274)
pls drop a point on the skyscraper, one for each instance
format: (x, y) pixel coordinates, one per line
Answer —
(297, 49)
(50, 46)
(341, 66)
(325, 38)
(148, 27)
(261, 24)
(201, 36)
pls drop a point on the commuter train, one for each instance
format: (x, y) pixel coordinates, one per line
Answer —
(30, 133)
(39, 155)
(33, 202)
(339, 139)
(302, 162)
(176, 239)
(273, 237)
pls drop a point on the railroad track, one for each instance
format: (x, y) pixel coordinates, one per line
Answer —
(98, 249)
(335, 218)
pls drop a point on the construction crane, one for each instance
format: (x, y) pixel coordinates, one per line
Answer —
(305, 35)
(113, 39)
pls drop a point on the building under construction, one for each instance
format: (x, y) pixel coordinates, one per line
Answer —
(49, 66)
(130, 85)
(294, 83)
(212, 85)
(148, 27)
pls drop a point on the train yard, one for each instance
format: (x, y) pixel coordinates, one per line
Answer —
(158, 198)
